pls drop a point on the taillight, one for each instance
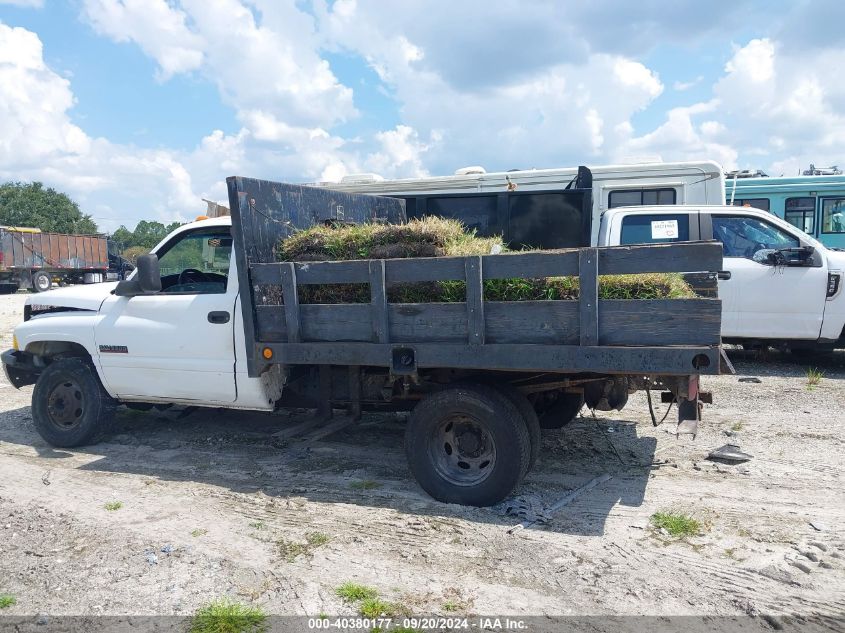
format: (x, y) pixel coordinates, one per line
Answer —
(834, 281)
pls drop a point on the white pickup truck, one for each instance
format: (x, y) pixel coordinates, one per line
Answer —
(779, 286)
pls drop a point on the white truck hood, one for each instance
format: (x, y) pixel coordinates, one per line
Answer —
(82, 297)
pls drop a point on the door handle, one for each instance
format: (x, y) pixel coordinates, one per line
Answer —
(219, 317)
(724, 275)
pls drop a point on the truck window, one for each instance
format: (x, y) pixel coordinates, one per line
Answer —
(196, 262)
(743, 237)
(658, 228)
(758, 203)
(833, 215)
(641, 197)
(801, 212)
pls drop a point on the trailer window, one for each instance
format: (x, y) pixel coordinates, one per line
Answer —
(801, 212)
(476, 212)
(757, 203)
(657, 228)
(546, 220)
(641, 197)
(833, 215)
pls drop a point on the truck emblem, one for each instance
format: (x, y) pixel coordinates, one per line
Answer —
(114, 349)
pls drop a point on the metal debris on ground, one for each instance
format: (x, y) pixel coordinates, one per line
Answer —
(549, 511)
(818, 526)
(753, 379)
(167, 549)
(729, 453)
(529, 508)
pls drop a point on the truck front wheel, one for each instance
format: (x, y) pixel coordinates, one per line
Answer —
(69, 405)
(467, 445)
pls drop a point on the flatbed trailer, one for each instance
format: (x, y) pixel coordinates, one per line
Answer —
(31, 259)
(479, 377)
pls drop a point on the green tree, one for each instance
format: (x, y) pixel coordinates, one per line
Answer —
(36, 206)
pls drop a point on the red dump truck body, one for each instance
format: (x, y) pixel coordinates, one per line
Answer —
(32, 259)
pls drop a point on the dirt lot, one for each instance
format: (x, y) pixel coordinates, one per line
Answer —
(211, 507)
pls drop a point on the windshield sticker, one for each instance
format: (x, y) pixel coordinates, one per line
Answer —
(664, 230)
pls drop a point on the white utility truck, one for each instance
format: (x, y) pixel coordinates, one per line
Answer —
(210, 318)
(779, 286)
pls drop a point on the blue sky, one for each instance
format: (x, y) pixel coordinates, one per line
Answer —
(140, 108)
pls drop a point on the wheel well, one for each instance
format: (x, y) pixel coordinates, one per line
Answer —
(58, 349)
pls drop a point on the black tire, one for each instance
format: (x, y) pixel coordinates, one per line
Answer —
(532, 422)
(69, 405)
(489, 467)
(563, 411)
(41, 281)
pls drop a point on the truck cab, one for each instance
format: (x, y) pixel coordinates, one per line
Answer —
(780, 286)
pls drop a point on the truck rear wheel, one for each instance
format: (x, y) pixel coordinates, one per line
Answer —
(467, 444)
(69, 405)
(532, 422)
(42, 281)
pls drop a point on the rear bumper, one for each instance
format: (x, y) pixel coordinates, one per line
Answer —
(20, 368)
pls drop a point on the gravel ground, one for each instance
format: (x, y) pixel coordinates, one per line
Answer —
(211, 507)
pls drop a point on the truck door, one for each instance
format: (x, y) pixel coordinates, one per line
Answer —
(176, 345)
(762, 300)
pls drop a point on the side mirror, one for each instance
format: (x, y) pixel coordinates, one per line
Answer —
(147, 280)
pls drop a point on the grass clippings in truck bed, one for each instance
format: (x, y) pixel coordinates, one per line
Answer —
(438, 237)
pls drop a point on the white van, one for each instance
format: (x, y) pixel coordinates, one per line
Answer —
(612, 186)
(779, 286)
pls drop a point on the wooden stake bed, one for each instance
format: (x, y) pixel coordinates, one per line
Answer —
(672, 337)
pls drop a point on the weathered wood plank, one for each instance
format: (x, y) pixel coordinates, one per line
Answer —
(424, 269)
(621, 322)
(588, 284)
(660, 322)
(291, 300)
(378, 302)
(661, 258)
(266, 274)
(346, 272)
(475, 301)
(561, 263)
(677, 361)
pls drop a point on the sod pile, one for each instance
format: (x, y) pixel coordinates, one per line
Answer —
(438, 237)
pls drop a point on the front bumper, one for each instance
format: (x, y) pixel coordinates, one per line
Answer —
(20, 368)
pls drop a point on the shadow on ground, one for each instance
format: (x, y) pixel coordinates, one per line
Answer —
(362, 464)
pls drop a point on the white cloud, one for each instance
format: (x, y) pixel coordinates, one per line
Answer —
(157, 27)
(681, 86)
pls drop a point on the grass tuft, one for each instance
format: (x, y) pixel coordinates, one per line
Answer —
(376, 607)
(111, 506)
(227, 616)
(7, 600)
(439, 237)
(676, 524)
(353, 592)
(316, 539)
(198, 532)
(814, 377)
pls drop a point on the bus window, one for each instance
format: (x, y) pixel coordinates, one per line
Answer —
(640, 197)
(801, 212)
(659, 228)
(758, 203)
(833, 215)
